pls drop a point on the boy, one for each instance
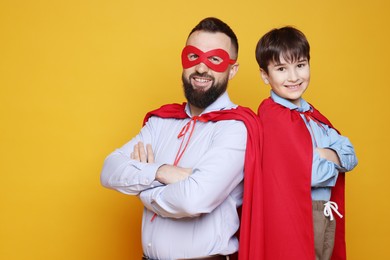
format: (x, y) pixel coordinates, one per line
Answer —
(304, 157)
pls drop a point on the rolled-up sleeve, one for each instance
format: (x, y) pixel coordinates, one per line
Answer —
(344, 149)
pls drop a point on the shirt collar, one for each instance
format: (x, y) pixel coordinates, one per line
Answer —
(284, 102)
(223, 102)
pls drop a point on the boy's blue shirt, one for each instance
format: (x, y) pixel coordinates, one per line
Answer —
(324, 172)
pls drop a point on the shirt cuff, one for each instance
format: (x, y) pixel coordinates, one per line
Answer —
(148, 175)
(148, 197)
(342, 167)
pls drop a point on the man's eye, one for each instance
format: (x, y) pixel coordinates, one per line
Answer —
(192, 56)
(215, 60)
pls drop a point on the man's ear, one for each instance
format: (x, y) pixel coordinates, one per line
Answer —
(264, 76)
(233, 70)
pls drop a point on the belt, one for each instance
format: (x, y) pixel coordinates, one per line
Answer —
(214, 257)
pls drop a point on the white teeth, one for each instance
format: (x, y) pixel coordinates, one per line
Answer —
(201, 80)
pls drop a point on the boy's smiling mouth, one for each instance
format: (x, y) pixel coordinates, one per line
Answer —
(293, 86)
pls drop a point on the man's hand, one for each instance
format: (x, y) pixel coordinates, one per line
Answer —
(329, 155)
(141, 155)
(169, 174)
(166, 173)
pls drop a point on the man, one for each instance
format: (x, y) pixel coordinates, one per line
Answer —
(186, 165)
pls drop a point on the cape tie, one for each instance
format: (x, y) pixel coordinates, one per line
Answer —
(187, 128)
(308, 115)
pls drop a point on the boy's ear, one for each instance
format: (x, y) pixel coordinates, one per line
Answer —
(264, 76)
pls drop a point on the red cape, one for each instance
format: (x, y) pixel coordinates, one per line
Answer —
(287, 163)
(251, 240)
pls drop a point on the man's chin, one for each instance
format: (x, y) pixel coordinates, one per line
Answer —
(201, 88)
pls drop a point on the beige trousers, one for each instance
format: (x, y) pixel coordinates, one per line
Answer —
(324, 232)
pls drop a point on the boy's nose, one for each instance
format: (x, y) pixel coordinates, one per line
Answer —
(292, 76)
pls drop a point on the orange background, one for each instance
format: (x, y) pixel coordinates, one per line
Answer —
(77, 77)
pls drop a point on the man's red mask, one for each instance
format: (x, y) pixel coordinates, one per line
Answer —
(217, 59)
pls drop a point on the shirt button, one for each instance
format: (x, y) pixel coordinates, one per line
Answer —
(150, 244)
(146, 181)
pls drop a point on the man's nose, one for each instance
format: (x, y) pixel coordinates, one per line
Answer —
(201, 68)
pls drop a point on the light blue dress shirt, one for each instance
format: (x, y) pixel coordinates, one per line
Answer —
(197, 217)
(324, 172)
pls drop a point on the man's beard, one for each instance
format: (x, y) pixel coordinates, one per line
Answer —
(202, 99)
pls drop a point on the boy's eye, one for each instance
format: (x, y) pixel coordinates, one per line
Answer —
(281, 69)
(192, 56)
(301, 65)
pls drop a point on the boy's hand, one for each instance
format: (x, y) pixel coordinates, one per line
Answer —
(141, 155)
(329, 155)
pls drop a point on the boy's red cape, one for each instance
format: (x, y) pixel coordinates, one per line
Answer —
(251, 238)
(287, 162)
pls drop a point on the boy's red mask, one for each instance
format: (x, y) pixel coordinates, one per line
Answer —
(205, 57)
